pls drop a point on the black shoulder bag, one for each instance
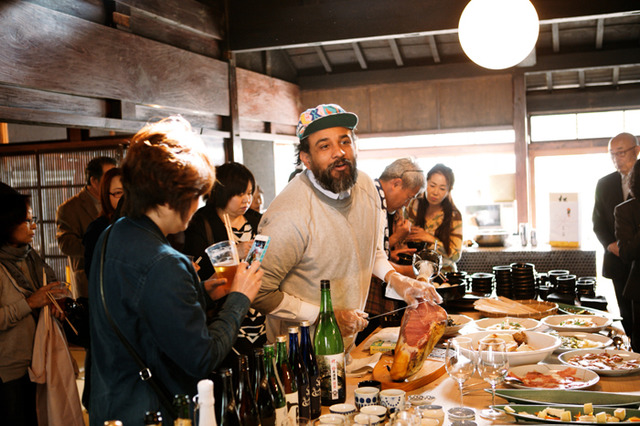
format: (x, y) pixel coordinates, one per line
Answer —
(145, 373)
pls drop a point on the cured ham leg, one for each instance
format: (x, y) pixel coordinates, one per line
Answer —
(421, 329)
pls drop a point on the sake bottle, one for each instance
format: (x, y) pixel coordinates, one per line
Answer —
(288, 379)
(264, 398)
(301, 375)
(181, 405)
(309, 360)
(329, 351)
(247, 410)
(275, 386)
(206, 404)
(228, 414)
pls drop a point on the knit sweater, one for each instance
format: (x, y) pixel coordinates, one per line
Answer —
(314, 237)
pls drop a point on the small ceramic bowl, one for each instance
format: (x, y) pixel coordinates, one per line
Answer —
(393, 399)
(343, 409)
(332, 419)
(367, 419)
(367, 395)
(376, 410)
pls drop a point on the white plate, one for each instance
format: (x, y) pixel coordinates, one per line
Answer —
(587, 377)
(554, 321)
(600, 340)
(517, 324)
(459, 321)
(602, 371)
(543, 343)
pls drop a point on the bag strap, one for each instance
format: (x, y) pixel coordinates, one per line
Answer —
(145, 373)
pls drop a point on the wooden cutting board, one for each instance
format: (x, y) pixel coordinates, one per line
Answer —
(430, 371)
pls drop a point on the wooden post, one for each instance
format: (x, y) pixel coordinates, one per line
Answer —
(4, 133)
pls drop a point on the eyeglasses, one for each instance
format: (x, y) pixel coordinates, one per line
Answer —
(117, 194)
(620, 154)
(32, 221)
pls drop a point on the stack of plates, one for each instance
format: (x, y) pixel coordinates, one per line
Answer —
(503, 281)
(523, 281)
(482, 283)
(456, 278)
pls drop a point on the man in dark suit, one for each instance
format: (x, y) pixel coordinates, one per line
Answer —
(612, 190)
(627, 217)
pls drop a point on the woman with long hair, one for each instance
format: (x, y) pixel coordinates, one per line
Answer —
(435, 218)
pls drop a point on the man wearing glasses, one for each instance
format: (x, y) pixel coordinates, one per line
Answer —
(612, 190)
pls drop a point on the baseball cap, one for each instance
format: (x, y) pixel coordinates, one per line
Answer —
(323, 117)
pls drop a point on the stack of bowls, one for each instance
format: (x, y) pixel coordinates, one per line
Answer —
(544, 285)
(482, 283)
(457, 278)
(586, 286)
(504, 286)
(566, 285)
(555, 273)
(523, 281)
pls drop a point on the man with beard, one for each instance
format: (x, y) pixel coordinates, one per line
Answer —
(327, 224)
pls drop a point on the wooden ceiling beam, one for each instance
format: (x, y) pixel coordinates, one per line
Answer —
(359, 55)
(434, 48)
(397, 56)
(275, 24)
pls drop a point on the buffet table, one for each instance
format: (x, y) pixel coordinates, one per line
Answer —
(447, 394)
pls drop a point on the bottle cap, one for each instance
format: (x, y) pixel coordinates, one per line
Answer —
(205, 392)
(305, 324)
(294, 329)
(281, 339)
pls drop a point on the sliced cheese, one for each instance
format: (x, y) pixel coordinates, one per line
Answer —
(557, 412)
(601, 417)
(588, 408)
(509, 409)
(565, 416)
(587, 419)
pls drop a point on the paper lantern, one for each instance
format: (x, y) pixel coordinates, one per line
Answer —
(498, 34)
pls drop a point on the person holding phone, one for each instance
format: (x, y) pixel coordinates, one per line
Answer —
(231, 195)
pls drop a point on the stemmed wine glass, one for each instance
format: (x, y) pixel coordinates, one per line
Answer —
(460, 364)
(492, 366)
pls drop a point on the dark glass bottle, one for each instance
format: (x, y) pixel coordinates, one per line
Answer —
(181, 405)
(288, 379)
(275, 385)
(264, 399)
(228, 415)
(309, 360)
(248, 410)
(153, 418)
(329, 350)
(301, 375)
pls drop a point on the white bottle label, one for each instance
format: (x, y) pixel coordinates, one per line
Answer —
(332, 370)
(292, 408)
(281, 416)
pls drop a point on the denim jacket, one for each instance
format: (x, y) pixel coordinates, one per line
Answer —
(155, 297)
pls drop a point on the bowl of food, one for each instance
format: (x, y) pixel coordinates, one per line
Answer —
(450, 292)
(523, 347)
(455, 323)
(507, 323)
(572, 340)
(582, 323)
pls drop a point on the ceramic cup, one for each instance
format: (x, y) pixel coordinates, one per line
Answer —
(343, 409)
(366, 396)
(331, 419)
(376, 410)
(366, 419)
(393, 399)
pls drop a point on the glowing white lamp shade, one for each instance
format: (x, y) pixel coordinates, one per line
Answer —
(498, 34)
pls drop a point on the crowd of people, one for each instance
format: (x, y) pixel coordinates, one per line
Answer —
(136, 237)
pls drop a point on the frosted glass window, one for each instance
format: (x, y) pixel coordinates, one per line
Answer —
(553, 127)
(600, 124)
(632, 121)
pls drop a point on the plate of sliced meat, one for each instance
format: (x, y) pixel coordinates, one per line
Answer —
(551, 376)
(606, 362)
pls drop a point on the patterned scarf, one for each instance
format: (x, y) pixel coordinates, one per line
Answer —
(10, 257)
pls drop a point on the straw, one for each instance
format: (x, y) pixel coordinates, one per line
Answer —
(231, 236)
(198, 260)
